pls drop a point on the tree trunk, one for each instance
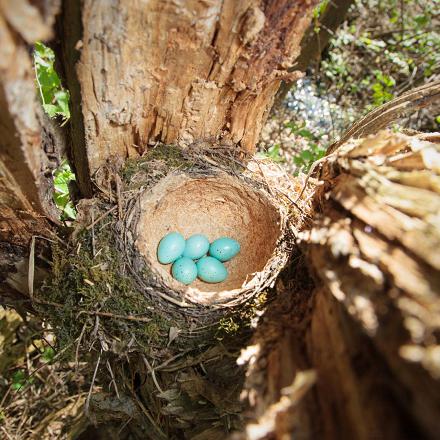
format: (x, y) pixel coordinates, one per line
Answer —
(161, 72)
(175, 72)
(365, 343)
(27, 150)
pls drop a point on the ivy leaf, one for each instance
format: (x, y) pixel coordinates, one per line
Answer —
(55, 99)
(306, 134)
(306, 155)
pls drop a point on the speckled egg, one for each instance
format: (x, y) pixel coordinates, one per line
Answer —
(211, 270)
(184, 270)
(196, 246)
(170, 248)
(224, 248)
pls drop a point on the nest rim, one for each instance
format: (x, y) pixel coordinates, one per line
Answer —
(178, 295)
(210, 295)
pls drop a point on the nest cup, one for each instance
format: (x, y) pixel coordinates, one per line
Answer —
(214, 200)
(216, 207)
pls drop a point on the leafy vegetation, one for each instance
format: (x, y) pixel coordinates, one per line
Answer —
(383, 49)
(48, 354)
(274, 153)
(55, 102)
(62, 177)
(313, 150)
(20, 379)
(376, 55)
(54, 98)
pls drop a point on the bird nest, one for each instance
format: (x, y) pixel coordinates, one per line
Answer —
(111, 269)
(109, 298)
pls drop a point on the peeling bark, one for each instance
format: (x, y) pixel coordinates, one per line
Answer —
(370, 330)
(25, 168)
(376, 248)
(179, 71)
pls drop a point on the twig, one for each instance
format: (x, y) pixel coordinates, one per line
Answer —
(169, 361)
(265, 179)
(31, 269)
(100, 218)
(6, 432)
(94, 313)
(293, 190)
(146, 413)
(93, 233)
(153, 374)
(96, 327)
(5, 396)
(116, 316)
(89, 395)
(113, 378)
(42, 366)
(118, 195)
(312, 168)
(77, 347)
(123, 426)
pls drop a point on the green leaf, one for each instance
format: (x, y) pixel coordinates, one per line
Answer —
(61, 200)
(48, 354)
(298, 160)
(19, 380)
(55, 99)
(62, 97)
(70, 211)
(50, 109)
(320, 9)
(306, 155)
(274, 153)
(306, 134)
(62, 177)
(422, 20)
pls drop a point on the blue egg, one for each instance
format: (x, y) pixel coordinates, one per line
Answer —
(184, 270)
(211, 270)
(196, 246)
(170, 248)
(224, 248)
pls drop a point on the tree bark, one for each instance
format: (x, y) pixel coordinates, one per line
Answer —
(26, 148)
(175, 72)
(369, 331)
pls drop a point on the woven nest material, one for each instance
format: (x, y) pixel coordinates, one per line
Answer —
(216, 199)
(112, 270)
(121, 302)
(214, 206)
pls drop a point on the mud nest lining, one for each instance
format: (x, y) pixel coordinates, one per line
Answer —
(214, 206)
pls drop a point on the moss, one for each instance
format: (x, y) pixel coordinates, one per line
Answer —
(92, 292)
(84, 282)
(228, 325)
(171, 156)
(242, 319)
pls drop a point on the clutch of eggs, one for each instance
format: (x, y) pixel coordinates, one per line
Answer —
(173, 248)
